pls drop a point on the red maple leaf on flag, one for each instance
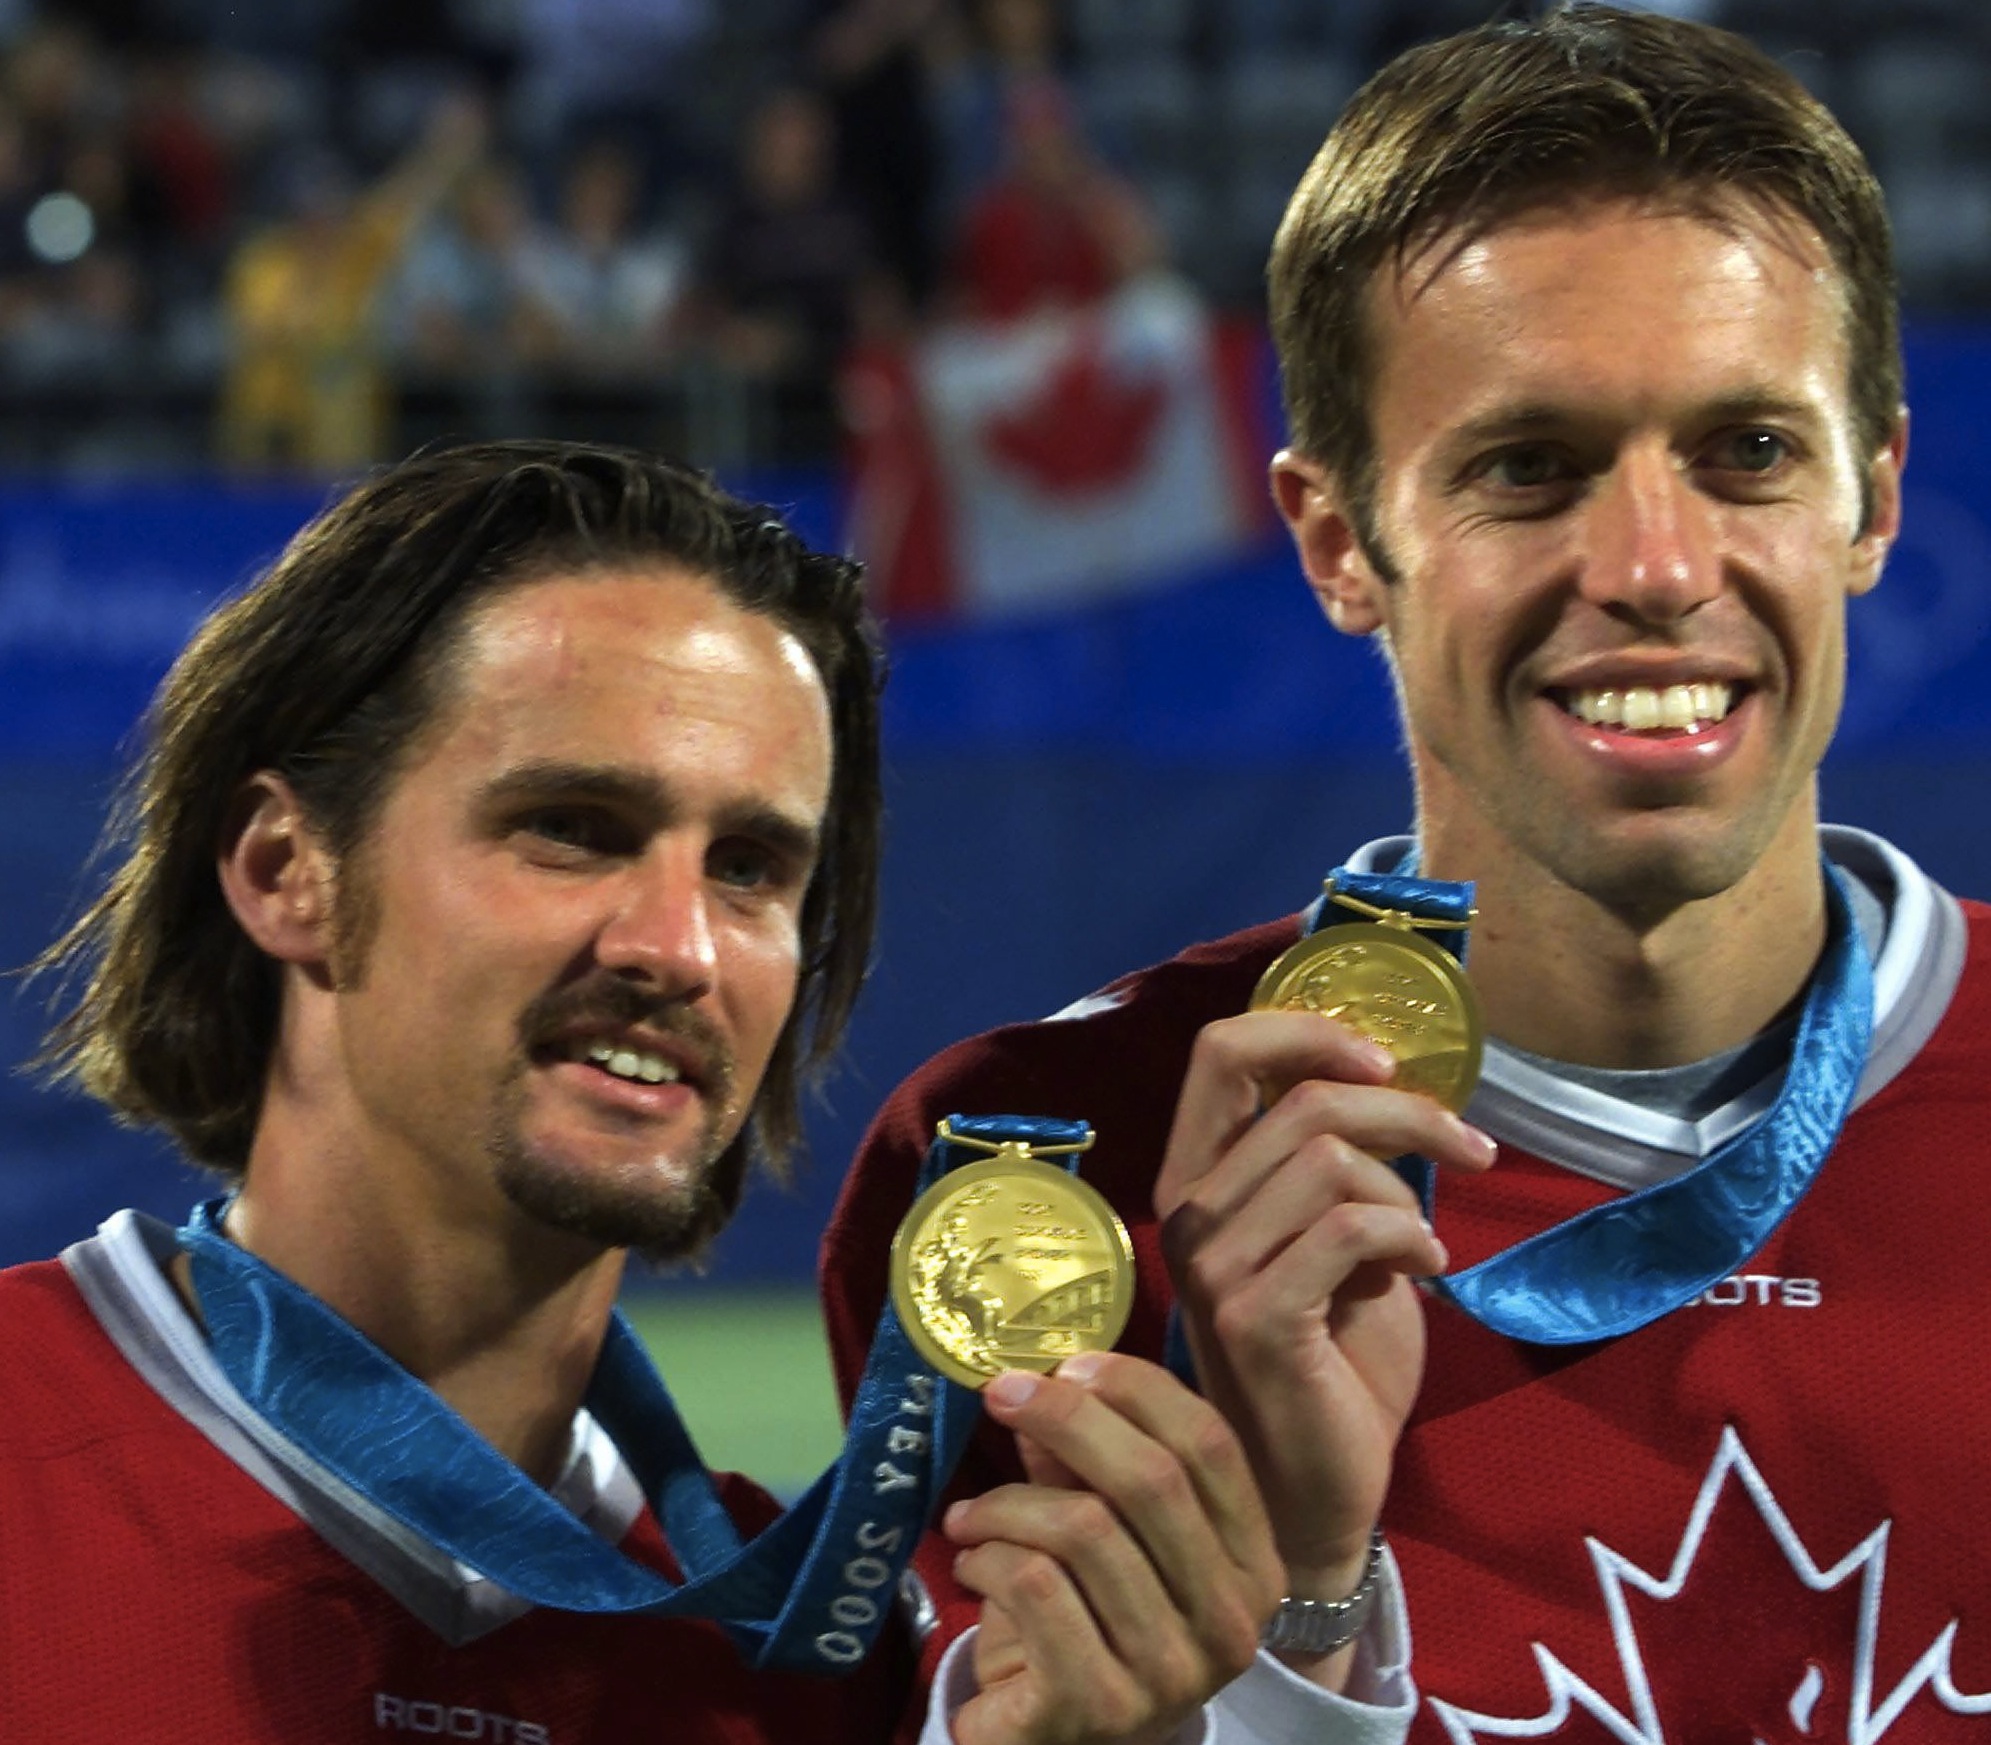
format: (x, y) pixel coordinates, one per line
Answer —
(1087, 429)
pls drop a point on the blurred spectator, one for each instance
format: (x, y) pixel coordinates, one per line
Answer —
(371, 34)
(305, 385)
(183, 193)
(73, 300)
(1056, 227)
(19, 270)
(789, 272)
(142, 142)
(459, 305)
(17, 194)
(85, 321)
(603, 285)
(991, 56)
(294, 31)
(619, 70)
(872, 59)
(63, 96)
(120, 23)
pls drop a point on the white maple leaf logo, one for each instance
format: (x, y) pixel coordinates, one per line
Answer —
(1640, 1723)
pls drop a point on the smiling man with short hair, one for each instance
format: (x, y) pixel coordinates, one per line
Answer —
(1588, 334)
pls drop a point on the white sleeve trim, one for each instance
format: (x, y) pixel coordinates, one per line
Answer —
(1270, 1704)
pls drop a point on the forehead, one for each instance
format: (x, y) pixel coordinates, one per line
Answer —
(1619, 297)
(649, 665)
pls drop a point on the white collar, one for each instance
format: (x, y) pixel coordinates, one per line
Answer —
(1615, 1141)
(121, 1273)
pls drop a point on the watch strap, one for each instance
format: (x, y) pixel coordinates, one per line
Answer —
(1315, 1627)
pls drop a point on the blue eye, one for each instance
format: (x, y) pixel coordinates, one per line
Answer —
(744, 865)
(1752, 451)
(1526, 468)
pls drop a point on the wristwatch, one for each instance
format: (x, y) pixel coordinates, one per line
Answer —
(1315, 1627)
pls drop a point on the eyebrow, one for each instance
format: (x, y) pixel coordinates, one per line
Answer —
(1525, 417)
(1765, 402)
(641, 792)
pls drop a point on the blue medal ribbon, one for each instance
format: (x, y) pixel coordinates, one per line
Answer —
(1622, 1265)
(809, 1593)
(1425, 900)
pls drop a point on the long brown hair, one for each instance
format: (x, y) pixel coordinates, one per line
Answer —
(327, 668)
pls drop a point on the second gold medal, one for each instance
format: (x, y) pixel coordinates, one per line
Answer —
(1010, 1263)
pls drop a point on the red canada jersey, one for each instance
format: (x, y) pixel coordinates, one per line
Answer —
(163, 1580)
(1760, 1518)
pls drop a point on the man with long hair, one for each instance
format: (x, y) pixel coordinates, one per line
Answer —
(498, 865)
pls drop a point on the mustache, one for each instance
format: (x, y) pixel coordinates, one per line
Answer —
(602, 999)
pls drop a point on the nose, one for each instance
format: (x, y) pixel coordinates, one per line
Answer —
(660, 929)
(1651, 553)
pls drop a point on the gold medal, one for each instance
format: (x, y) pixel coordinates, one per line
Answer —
(1393, 986)
(1010, 1263)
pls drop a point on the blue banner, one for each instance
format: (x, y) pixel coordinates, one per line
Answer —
(100, 584)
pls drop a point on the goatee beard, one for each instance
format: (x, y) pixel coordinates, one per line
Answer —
(667, 1210)
(666, 1224)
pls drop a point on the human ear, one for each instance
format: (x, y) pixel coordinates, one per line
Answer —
(1883, 503)
(1337, 567)
(275, 872)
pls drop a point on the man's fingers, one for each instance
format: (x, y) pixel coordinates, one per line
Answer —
(1081, 1535)
(1376, 1120)
(1222, 1147)
(1060, 1643)
(1139, 1480)
(1381, 1121)
(1255, 1318)
(1202, 1442)
(1045, 1468)
(999, 1649)
(1210, 1255)
(1091, 1612)
(1169, 1466)
(1231, 1062)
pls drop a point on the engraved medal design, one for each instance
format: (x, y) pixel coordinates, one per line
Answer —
(1010, 1263)
(1392, 986)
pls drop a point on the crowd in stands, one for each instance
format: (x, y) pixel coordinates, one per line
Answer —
(289, 223)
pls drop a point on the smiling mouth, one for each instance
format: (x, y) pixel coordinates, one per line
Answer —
(639, 1065)
(1690, 708)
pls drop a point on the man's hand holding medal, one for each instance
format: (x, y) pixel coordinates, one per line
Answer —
(1127, 1581)
(1294, 1246)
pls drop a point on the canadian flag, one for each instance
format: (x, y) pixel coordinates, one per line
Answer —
(1070, 456)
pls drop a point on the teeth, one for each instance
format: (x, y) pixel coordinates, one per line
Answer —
(1681, 708)
(1676, 706)
(630, 1063)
